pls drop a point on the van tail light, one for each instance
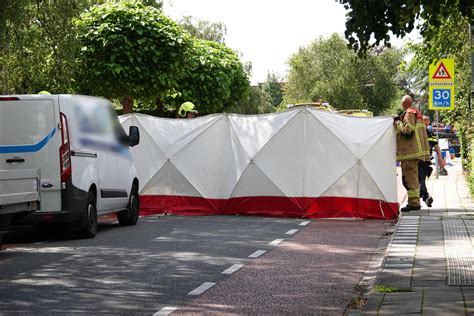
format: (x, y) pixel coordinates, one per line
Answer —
(65, 152)
(9, 98)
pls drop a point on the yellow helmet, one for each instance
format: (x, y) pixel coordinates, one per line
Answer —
(185, 108)
(44, 92)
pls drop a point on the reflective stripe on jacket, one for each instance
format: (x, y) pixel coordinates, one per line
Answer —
(412, 139)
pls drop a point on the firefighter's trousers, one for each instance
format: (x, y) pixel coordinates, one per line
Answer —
(410, 181)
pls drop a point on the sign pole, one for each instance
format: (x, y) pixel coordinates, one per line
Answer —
(437, 141)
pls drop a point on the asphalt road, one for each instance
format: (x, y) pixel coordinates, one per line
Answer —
(167, 263)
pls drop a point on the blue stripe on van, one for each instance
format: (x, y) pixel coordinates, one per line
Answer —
(27, 148)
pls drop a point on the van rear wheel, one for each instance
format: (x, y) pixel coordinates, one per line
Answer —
(89, 218)
(129, 217)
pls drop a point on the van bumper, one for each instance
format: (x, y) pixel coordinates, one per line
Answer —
(47, 218)
(73, 204)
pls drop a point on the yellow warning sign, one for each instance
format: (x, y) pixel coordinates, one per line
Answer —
(442, 71)
(441, 90)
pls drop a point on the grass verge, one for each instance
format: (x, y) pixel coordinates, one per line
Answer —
(389, 289)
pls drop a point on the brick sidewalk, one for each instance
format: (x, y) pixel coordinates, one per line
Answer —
(427, 267)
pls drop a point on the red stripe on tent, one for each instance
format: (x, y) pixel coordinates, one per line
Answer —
(276, 206)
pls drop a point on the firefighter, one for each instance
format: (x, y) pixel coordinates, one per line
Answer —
(412, 145)
(187, 109)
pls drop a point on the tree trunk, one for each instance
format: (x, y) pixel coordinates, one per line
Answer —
(127, 103)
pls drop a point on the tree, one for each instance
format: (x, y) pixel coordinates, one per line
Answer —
(204, 29)
(327, 69)
(273, 86)
(214, 80)
(367, 19)
(38, 45)
(130, 50)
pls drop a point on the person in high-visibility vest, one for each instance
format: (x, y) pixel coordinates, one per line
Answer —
(187, 109)
(412, 145)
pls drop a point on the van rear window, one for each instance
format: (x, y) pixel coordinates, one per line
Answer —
(26, 122)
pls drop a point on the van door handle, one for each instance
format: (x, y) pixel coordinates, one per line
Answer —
(15, 159)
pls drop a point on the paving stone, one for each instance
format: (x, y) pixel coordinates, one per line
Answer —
(431, 283)
(399, 280)
(443, 307)
(408, 302)
(373, 303)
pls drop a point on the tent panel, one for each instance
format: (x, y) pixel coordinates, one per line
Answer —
(368, 188)
(327, 158)
(240, 156)
(147, 156)
(359, 134)
(282, 160)
(380, 163)
(346, 185)
(255, 131)
(208, 162)
(169, 181)
(172, 135)
(254, 182)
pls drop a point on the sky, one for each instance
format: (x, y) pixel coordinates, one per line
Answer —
(267, 32)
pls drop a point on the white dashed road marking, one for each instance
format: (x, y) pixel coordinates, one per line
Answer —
(165, 311)
(232, 269)
(304, 223)
(42, 242)
(257, 253)
(276, 242)
(202, 288)
(291, 232)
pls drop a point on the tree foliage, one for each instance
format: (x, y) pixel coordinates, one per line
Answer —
(273, 86)
(38, 45)
(204, 29)
(327, 69)
(374, 19)
(129, 49)
(214, 79)
(120, 49)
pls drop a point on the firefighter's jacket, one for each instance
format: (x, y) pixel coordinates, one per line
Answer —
(412, 140)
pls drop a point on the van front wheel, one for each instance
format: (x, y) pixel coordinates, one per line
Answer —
(89, 218)
(129, 217)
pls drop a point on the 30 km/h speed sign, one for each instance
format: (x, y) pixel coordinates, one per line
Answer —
(442, 98)
(441, 91)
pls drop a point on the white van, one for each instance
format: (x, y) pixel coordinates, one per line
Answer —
(64, 159)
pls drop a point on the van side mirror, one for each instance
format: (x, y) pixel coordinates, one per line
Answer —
(134, 136)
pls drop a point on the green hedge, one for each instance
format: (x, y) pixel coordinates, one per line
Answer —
(471, 173)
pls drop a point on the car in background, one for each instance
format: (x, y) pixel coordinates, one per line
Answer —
(316, 105)
(356, 112)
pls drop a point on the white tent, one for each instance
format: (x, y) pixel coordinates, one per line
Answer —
(299, 163)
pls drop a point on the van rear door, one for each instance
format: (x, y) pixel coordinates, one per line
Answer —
(29, 151)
